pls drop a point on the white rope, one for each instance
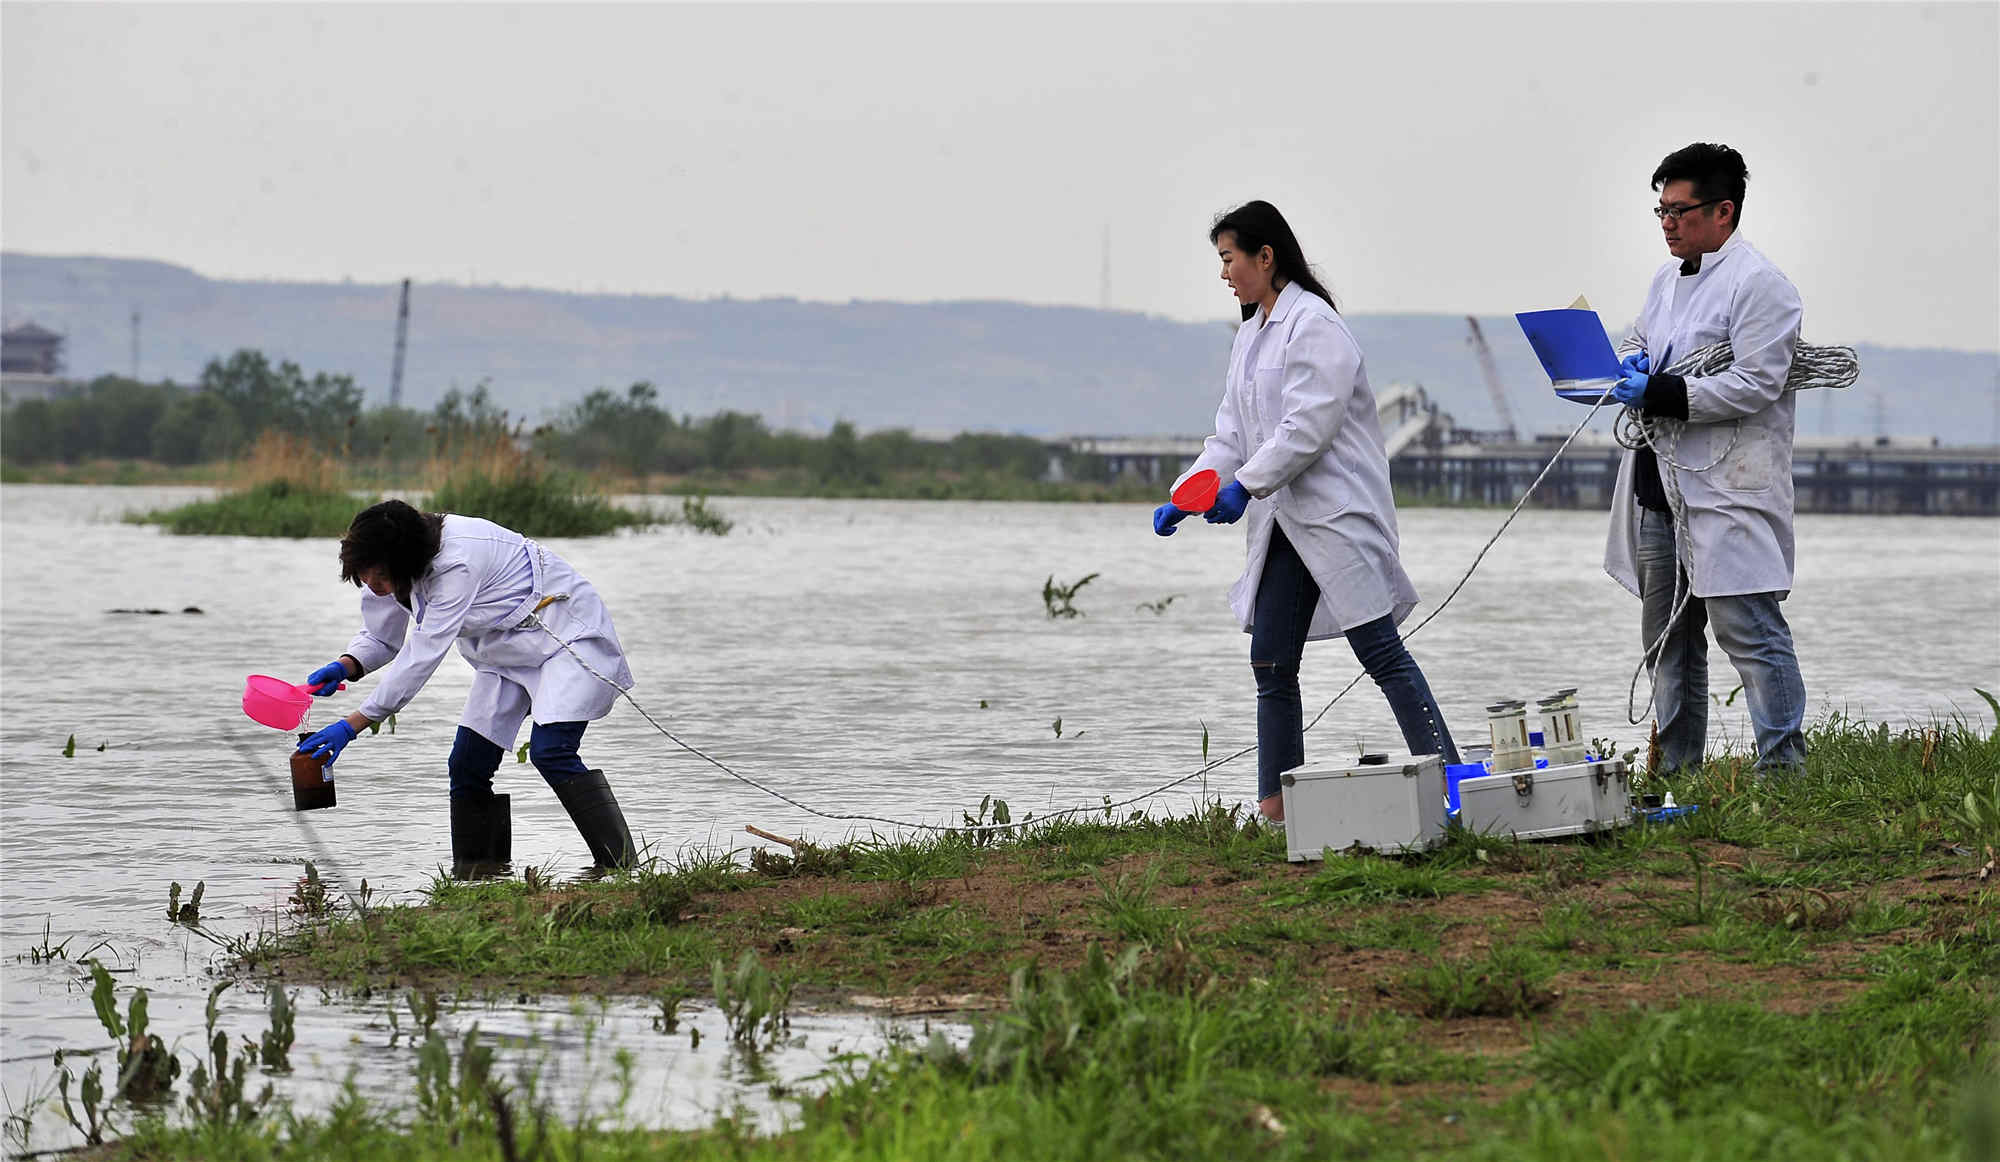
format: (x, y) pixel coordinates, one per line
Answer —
(1107, 806)
(1812, 367)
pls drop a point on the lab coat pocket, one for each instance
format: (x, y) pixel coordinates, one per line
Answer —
(1314, 495)
(1751, 465)
(1268, 396)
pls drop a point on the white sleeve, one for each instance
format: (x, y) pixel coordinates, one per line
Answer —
(1635, 338)
(1763, 332)
(1321, 366)
(384, 621)
(450, 594)
(1223, 451)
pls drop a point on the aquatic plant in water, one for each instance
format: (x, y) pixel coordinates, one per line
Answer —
(755, 1002)
(146, 1068)
(190, 912)
(215, 1087)
(1057, 600)
(696, 515)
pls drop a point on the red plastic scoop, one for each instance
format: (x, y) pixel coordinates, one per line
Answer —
(1197, 492)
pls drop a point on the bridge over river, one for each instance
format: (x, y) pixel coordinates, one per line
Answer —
(1432, 458)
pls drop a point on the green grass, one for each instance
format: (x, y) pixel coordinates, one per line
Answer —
(1808, 970)
(1370, 878)
(1505, 981)
(1125, 1058)
(1126, 911)
(275, 508)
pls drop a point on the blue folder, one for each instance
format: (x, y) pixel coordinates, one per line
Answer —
(1574, 350)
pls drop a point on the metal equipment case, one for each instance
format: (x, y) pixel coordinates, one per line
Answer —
(1572, 799)
(1393, 804)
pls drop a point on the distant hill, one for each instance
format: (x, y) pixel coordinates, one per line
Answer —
(935, 367)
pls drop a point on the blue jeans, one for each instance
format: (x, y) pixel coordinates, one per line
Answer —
(1286, 598)
(551, 747)
(1750, 628)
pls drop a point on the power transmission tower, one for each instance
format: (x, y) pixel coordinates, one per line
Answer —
(135, 342)
(1491, 370)
(402, 342)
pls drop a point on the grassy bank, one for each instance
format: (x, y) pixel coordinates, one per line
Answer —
(120, 472)
(1804, 970)
(755, 482)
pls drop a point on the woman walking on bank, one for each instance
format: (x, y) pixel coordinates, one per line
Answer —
(1298, 441)
(435, 579)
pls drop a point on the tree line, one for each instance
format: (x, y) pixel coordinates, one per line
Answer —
(237, 398)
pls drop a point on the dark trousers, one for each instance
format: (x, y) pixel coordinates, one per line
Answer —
(551, 747)
(1286, 598)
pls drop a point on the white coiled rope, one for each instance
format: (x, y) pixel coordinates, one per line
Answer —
(1830, 367)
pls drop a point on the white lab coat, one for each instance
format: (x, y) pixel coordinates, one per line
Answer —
(1298, 429)
(482, 586)
(1739, 512)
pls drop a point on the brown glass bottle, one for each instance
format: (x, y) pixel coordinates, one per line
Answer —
(312, 785)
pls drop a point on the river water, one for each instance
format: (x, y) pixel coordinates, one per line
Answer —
(865, 657)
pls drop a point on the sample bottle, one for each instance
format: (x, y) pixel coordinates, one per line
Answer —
(312, 782)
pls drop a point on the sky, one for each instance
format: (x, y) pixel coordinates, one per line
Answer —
(1482, 158)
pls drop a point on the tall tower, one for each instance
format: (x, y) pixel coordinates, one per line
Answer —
(402, 341)
(135, 342)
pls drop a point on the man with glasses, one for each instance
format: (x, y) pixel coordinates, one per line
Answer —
(1730, 458)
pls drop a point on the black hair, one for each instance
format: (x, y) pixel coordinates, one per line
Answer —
(394, 537)
(1257, 225)
(1717, 172)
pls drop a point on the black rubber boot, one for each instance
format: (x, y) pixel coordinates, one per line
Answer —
(594, 809)
(482, 837)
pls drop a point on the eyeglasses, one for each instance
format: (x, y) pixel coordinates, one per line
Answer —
(1675, 212)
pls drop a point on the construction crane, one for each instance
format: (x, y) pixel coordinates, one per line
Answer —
(402, 342)
(1491, 371)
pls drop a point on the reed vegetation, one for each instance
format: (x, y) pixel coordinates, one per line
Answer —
(284, 487)
(287, 487)
(488, 475)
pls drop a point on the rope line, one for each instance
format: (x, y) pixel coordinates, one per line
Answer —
(1108, 806)
(1812, 367)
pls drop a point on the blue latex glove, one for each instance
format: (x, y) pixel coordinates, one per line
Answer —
(1636, 361)
(327, 678)
(329, 742)
(1166, 517)
(1631, 389)
(1229, 504)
